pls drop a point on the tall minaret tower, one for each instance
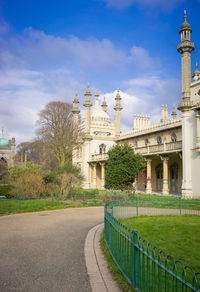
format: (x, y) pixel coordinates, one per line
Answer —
(75, 111)
(185, 48)
(87, 104)
(117, 109)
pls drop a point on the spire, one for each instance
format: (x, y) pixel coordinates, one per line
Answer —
(173, 113)
(196, 75)
(118, 106)
(97, 95)
(87, 102)
(104, 105)
(75, 108)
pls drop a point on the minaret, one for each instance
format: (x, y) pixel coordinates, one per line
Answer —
(185, 48)
(173, 113)
(117, 109)
(104, 105)
(87, 104)
(75, 111)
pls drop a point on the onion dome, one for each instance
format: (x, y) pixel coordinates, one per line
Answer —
(97, 113)
(185, 24)
(3, 142)
(196, 75)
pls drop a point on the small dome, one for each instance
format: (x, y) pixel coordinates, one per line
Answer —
(3, 142)
(98, 114)
(185, 24)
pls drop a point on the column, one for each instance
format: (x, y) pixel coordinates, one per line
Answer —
(102, 175)
(198, 131)
(95, 176)
(148, 187)
(165, 175)
(91, 175)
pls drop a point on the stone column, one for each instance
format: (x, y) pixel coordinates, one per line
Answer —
(165, 175)
(198, 131)
(148, 187)
(95, 176)
(102, 175)
(91, 175)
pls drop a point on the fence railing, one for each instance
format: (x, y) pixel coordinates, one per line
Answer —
(145, 267)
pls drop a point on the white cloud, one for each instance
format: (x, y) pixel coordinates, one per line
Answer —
(37, 68)
(164, 5)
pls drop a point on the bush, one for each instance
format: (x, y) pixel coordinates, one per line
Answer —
(6, 190)
(27, 180)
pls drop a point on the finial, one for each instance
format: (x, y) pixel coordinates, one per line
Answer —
(97, 95)
(88, 86)
(196, 66)
(185, 15)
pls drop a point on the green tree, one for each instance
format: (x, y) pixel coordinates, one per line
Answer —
(122, 167)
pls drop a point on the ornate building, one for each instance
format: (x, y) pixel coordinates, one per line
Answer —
(7, 152)
(171, 148)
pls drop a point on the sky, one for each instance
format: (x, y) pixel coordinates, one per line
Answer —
(49, 50)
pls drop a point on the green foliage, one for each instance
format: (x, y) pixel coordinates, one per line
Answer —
(6, 190)
(122, 167)
(63, 180)
(27, 180)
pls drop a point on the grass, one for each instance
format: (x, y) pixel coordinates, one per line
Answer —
(8, 206)
(178, 236)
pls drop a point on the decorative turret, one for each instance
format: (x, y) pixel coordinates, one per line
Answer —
(75, 111)
(173, 113)
(104, 105)
(117, 109)
(87, 104)
(185, 48)
(196, 75)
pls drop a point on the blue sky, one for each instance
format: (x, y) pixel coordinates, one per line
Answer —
(51, 49)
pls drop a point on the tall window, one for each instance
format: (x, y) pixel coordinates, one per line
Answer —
(102, 148)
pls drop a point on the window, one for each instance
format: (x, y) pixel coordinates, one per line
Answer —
(159, 140)
(102, 148)
(146, 141)
(173, 137)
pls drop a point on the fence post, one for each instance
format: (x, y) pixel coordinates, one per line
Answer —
(136, 259)
(112, 208)
(52, 196)
(137, 206)
(20, 201)
(180, 206)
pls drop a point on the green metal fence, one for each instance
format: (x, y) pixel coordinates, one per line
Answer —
(145, 267)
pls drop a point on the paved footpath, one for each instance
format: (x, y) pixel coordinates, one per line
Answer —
(44, 251)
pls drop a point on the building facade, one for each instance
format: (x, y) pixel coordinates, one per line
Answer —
(7, 152)
(171, 148)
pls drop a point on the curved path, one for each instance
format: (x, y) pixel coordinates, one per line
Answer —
(44, 251)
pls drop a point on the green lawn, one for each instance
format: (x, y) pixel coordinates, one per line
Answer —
(178, 236)
(8, 206)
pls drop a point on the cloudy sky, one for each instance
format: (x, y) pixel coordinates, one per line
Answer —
(49, 50)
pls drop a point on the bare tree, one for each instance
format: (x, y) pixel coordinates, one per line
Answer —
(56, 131)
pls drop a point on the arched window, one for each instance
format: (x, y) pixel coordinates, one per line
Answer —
(102, 148)
(173, 137)
(159, 140)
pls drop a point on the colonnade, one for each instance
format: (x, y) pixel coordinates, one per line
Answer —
(165, 189)
(97, 181)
